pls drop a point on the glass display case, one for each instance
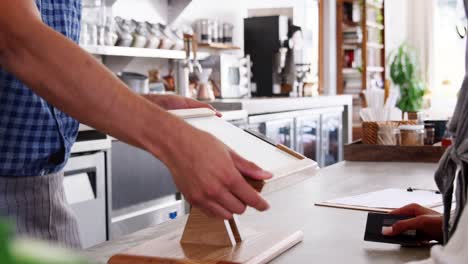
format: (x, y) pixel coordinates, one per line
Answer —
(280, 131)
(331, 138)
(308, 136)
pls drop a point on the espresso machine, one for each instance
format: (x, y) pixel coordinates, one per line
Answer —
(267, 40)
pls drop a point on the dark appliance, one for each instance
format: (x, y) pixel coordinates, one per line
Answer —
(267, 41)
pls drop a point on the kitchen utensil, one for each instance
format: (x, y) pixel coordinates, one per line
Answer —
(439, 128)
(135, 81)
(430, 134)
(154, 36)
(178, 37)
(101, 31)
(228, 29)
(203, 31)
(124, 32)
(166, 40)
(93, 34)
(84, 35)
(214, 31)
(139, 35)
(386, 134)
(169, 80)
(196, 64)
(412, 135)
(220, 32)
(205, 89)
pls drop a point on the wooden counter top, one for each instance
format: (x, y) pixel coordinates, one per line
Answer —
(330, 235)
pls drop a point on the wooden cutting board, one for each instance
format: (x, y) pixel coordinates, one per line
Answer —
(257, 247)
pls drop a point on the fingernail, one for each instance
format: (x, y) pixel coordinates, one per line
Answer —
(266, 207)
(387, 230)
(267, 175)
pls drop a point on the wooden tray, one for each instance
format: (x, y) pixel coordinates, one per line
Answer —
(357, 151)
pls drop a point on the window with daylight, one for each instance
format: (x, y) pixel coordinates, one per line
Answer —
(448, 52)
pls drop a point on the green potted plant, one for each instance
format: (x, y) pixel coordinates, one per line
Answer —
(26, 251)
(404, 74)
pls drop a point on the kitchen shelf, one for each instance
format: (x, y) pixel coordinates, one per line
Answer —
(140, 52)
(375, 45)
(375, 69)
(368, 52)
(351, 70)
(374, 25)
(219, 46)
(374, 4)
(351, 46)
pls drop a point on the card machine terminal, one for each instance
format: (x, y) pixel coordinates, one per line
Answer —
(375, 223)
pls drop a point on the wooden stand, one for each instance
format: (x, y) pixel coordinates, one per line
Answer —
(209, 240)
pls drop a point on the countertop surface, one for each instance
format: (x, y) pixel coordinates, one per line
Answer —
(330, 235)
(256, 106)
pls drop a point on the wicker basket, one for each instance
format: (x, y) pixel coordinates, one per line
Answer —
(370, 130)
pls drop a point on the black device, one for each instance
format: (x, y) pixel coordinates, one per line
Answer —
(375, 222)
(266, 40)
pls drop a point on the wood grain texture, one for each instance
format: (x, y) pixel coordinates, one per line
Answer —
(258, 247)
(291, 152)
(203, 230)
(362, 152)
(236, 231)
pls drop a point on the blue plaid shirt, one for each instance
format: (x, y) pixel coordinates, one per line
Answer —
(35, 137)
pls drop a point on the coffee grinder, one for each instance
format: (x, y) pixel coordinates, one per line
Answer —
(267, 42)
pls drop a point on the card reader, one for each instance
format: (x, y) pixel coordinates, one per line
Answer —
(375, 222)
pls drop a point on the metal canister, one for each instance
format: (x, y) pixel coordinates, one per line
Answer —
(220, 32)
(203, 31)
(228, 29)
(214, 31)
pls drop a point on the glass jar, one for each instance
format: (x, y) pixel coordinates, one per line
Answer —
(214, 31)
(386, 135)
(412, 135)
(430, 134)
(228, 33)
(203, 31)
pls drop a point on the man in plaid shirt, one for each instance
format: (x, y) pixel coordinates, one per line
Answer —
(47, 83)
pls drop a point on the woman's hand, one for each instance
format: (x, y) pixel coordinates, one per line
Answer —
(426, 222)
(172, 102)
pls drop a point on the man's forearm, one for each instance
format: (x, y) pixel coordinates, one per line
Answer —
(73, 81)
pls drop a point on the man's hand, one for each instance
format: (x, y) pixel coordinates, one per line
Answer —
(426, 222)
(171, 102)
(211, 175)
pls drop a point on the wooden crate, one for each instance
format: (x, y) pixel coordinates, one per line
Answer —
(357, 151)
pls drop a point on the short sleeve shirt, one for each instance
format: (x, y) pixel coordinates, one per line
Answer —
(35, 137)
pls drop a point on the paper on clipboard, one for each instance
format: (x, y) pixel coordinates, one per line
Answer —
(386, 200)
